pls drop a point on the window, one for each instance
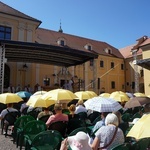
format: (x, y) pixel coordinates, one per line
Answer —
(112, 64)
(113, 84)
(109, 51)
(122, 66)
(81, 83)
(92, 62)
(89, 47)
(92, 83)
(62, 43)
(133, 85)
(101, 63)
(5, 33)
(141, 73)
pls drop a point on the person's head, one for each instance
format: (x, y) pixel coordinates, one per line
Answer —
(58, 107)
(147, 108)
(80, 102)
(79, 141)
(45, 109)
(10, 105)
(72, 108)
(104, 114)
(111, 119)
(118, 114)
(25, 99)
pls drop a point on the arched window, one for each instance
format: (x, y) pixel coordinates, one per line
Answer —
(61, 42)
(88, 47)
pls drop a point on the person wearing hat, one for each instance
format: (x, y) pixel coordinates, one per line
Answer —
(58, 116)
(108, 136)
(80, 141)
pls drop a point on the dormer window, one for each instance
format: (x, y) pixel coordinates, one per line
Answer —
(61, 42)
(88, 47)
(108, 50)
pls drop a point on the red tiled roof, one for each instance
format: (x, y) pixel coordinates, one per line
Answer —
(146, 42)
(126, 51)
(5, 9)
(46, 36)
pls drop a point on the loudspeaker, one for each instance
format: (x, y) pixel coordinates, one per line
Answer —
(98, 84)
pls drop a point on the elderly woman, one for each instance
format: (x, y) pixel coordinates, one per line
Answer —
(109, 136)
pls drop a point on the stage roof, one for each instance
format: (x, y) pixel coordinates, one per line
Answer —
(145, 63)
(16, 51)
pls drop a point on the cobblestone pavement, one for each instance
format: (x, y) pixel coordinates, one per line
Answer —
(6, 143)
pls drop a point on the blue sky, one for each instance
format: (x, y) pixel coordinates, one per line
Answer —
(117, 22)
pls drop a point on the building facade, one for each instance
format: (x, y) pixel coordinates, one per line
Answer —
(104, 74)
(137, 66)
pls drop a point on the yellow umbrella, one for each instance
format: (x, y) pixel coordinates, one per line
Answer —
(119, 96)
(139, 94)
(59, 95)
(92, 94)
(106, 95)
(141, 128)
(6, 98)
(83, 95)
(37, 101)
(40, 93)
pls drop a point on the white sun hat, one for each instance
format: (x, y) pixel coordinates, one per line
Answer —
(80, 141)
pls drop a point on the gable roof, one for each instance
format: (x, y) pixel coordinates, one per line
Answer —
(51, 37)
(146, 42)
(5, 9)
(127, 51)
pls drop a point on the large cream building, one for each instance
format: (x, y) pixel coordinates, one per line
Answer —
(111, 71)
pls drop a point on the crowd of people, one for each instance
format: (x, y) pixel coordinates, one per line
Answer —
(18, 88)
(108, 132)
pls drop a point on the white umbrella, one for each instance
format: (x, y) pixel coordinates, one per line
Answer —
(40, 93)
(102, 104)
